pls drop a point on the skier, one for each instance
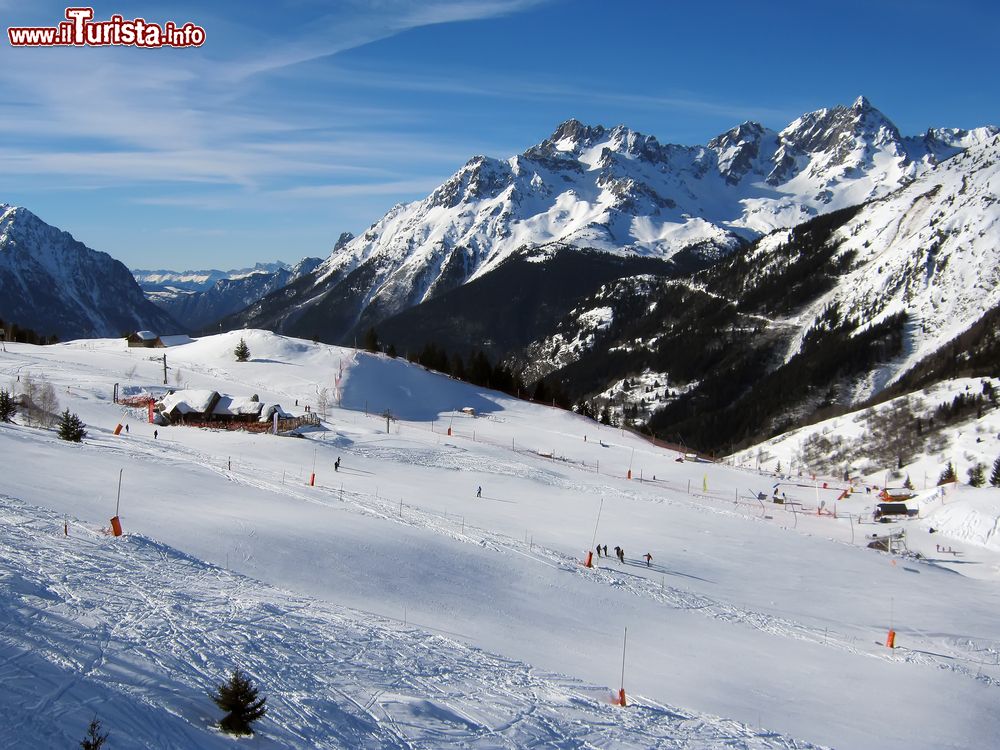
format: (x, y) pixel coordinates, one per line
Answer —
(126, 429)
(155, 433)
(336, 464)
(649, 559)
(479, 492)
(618, 552)
(621, 554)
(606, 550)
(598, 550)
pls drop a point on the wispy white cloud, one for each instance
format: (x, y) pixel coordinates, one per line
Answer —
(358, 24)
(428, 13)
(117, 116)
(321, 193)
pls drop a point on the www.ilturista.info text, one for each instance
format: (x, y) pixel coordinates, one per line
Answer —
(80, 30)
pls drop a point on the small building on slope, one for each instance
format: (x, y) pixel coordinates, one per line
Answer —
(204, 408)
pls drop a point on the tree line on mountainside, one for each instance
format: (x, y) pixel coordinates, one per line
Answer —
(22, 335)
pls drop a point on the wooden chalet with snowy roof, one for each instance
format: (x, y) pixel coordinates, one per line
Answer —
(151, 340)
(205, 408)
(146, 339)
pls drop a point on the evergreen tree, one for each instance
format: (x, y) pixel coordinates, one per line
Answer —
(238, 698)
(7, 406)
(977, 475)
(458, 367)
(948, 475)
(480, 369)
(371, 340)
(71, 428)
(908, 484)
(541, 393)
(995, 476)
(242, 351)
(391, 351)
(606, 415)
(95, 739)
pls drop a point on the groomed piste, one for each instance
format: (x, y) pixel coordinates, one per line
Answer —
(386, 605)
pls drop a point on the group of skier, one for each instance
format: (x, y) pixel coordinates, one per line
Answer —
(602, 551)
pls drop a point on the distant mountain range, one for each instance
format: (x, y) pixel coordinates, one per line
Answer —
(199, 298)
(612, 190)
(714, 293)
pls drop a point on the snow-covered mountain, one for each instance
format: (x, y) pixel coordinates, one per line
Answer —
(199, 298)
(55, 284)
(614, 190)
(827, 314)
(189, 281)
(930, 251)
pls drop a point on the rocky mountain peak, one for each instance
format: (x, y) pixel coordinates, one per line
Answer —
(861, 104)
(573, 134)
(840, 127)
(747, 132)
(481, 177)
(342, 240)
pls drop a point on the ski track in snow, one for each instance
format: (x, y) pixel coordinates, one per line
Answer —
(138, 628)
(962, 655)
(159, 629)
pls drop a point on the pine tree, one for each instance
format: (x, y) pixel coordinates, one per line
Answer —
(541, 392)
(242, 351)
(948, 475)
(995, 476)
(238, 698)
(95, 739)
(71, 428)
(908, 483)
(977, 475)
(7, 406)
(371, 340)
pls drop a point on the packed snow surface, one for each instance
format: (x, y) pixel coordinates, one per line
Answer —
(387, 606)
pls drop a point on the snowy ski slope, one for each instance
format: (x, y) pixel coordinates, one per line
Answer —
(387, 606)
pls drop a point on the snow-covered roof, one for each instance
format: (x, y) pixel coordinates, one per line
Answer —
(236, 405)
(270, 410)
(176, 339)
(146, 335)
(189, 401)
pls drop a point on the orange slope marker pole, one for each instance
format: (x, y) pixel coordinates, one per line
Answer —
(621, 690)
(116, 524)
(590, 555)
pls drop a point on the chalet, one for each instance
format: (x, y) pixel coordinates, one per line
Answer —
(150, 340)
(211, 408)
(146, 339)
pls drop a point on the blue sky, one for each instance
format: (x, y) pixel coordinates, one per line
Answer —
(299, 120)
